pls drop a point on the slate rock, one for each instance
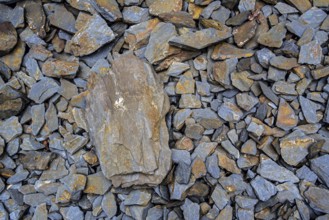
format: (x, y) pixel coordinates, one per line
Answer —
(320, 72)
(189, 101)
(200, 39)
(138, 197)
(158, 47)
(109, 205)
(294, 148)
(220, 197)
(191, 211)
(60, 17)
(207, 118)
(222, 71)
(159, 7)
(274, 37)
(40, 212)
(263, 188)
(10, 128)
(272, 171)
(230, 112)
(224, 51)
(93, 35)
(14, 59)
(241, 81)
(239, 33)
(61, 68)
(38, 118)
(179, 19)
(320, 167)
(318, 199)
(245, 101)
(286, 118)
(123, 167)
(35, 160)
(108, 9)
(43, 90)
(310, 53)
(302, 5)
(12, 102)
(97, 184)
(8, 37)
(283, 63)
(238, 19)
(135, 14)
(308, 109)
(284, 8)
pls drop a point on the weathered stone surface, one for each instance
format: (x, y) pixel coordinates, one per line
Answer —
(61, 68)
(108, 9)
(200, 39)
(34, 160)
(286, 118)
(14, 59)
(8, 37)
(222, 71)
(94, 34)
(179, 19)
(263, 188)
(295, 147)
(224, 51)
(60, 17)
(230, 112)
(160, 6)
(12, 102)
(301, 5)
(244, 33)
(43, 90)
(320, 166)
(109, 205)
(272, 171)
(241, 81)
(135, 14)
(128, 166)
(274, 37)
(284, 8)
(97, 184)
(320, 72)
(310, 53)
(158, 47)
(35, 16)
(284, 63)
(318, 199)
(309, 109)
(10, 128)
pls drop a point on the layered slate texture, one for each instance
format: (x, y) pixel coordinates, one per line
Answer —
(126, 109)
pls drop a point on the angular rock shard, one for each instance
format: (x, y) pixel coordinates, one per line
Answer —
(127, 123)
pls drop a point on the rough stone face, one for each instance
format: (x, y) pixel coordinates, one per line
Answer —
(321, 167)
(201, 39)
(224, 51)
(8, 37)
(286, 118)
(318, 198)
(12, 102)
(94, 34)
(109, 9)
(274, 37)
(161, 6)
(310, 53)
(115, 123)
(61, 68)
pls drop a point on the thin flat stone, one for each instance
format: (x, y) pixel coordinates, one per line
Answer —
(158, 47)
(191, 210)
(321, 168)
(268, 92)
(159, 6)
(320, 72)
(135, 14)
(38, 118)
(12, 102)
(60, 17)
(263, 188)
(238, 19)
(97, 184)
(189, 101)
(179, 19)
(108, 9)
(224, 51)
(294, 149)
(109, 205)
(94, 34)
(222, 71)
(10, 128)
(207, 118)
(272, 171)
(230, 112)
(43, 90)
(200, 39)
(284, 63)
(220, 197)
(318, 199)
(308, 109)
(286, 118)
(244, 33)
(310, 53)
(284, 8)
(35, 160)
(301, 5)
(61, 68)
(274, 37)
(245, 101)
(241, 81)
(138, 197)
(177, 68)
(14, 59)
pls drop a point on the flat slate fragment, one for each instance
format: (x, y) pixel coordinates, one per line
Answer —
(200, 39)
(118, 108)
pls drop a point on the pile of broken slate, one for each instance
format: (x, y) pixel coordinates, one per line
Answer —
(164, 109)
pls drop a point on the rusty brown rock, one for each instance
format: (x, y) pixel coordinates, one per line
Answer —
(244, 33)
(109, 9)
(180, 19)
(164, 6)
(274, 37)
(35, 16)
(8, 37)
(14, 59)
(61, 68)
(301, 5)
(130, 135)
(90, 37)
(224, 51)
(286, 118)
